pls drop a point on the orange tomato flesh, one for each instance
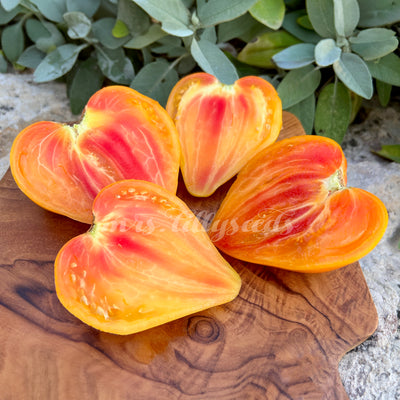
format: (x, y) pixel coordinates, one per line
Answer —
(146, 260)
(221, 126)
(290, 208)
(122, 135)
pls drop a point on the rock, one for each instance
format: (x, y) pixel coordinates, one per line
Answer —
(22, 102)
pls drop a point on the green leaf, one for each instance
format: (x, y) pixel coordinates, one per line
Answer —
(374, 43)
(386, 69)
(152, 35)
(354, 73)
(260, 52)
(57, 63)
(12, 41)
(85, 81)
(346, 16)
(120, 30)
(156, 80)
(7, 16)
(326, 52)
(295, 56)
(45, 34)
(244, 27)
(305, 111)
(52, 10)
(384, 91)
(88, 7)
(377, 13)
(212, 60)
(332, 115)
(305, 22)
(31, 57)
(320, 13)
(102, 31)
(269, 12)
(173, 15)
(171, 46)
(115, 65)
(291, 25)
(390, 151)
(9, 5)
(79, 24)
(209, 34)
(135, 18)
(3, 64)
(298, 84)
(213, 12)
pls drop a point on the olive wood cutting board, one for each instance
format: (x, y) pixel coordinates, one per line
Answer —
(281, 338)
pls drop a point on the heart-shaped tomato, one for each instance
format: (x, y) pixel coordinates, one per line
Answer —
(146, 260)
(221, 127)
(290, 208)
(122, 135)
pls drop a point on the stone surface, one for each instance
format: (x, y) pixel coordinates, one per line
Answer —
(370, 371)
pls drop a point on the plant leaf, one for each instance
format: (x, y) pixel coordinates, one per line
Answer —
(31, 57)
(298, 84)
(320, 13)
(374, 43)
(291, 25)
(260, 52)
(332, 115)
(88, 7)
(326, 52)
(57, 63)
(354, 73)
(386, 69)
(52, 10)
(7, 16)
(152, 35)
(9, 5)
(212, 60)
(305, 112)
(115, 65)
(269, 12)
(156, 80)
(377, 13)
(134, 17)
(390, 151)
(346, 16)
(12, 41)
(173, 15)
(102, 31)
(3, 64)
(213, 12)
(79, 24)
(85, 81)
(384, 91)
(295, 56)
(44, 34)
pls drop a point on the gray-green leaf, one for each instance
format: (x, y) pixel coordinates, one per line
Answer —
(320, 13)
(305, 111)
(156, 80)
(378, 12)
(57, 63)
(346, 16)
(390, 151)
(269, 12)
(213, 12)
(102, 31)
(212, 60)
(79, 24)
(384, 91)
(332, 115)
(173, 15)
(52, 10)
(354, 73)
(374, 43)
(88, 7)
(12, 41)
(295, 56)
(3, 64)
(115, 65)
(291, 25)
(9, 5)
(31, 57)
(386, 69)
(298, 84)
(152, 35)
(134, 17)
(7, 16)
(326, 52)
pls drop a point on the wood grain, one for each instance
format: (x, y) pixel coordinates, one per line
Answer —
(282, 338)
